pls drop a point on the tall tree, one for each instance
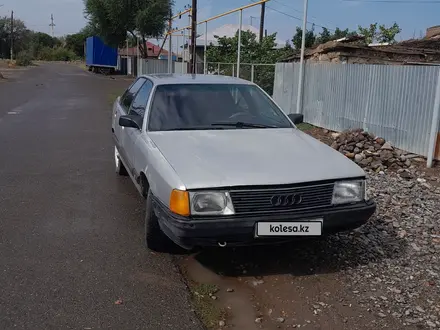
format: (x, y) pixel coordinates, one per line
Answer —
(115, 19)
(21, 36)
(297, 38)
(252, 51)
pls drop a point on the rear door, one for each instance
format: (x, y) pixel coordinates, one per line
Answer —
(121, 108)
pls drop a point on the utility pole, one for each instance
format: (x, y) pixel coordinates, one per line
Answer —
(12, 35)
(193, 36)
(263, 10)
(170, 44)
(51, 24)
(299, 95)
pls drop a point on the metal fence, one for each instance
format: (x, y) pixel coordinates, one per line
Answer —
(259, 73)
(395, 102)
(153, 66)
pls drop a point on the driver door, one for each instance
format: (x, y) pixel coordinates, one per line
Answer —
(121, 108)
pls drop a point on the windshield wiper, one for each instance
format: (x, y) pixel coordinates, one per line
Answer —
(192, 128)
(240, 124)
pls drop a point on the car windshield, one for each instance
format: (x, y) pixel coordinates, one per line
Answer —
(213, 106)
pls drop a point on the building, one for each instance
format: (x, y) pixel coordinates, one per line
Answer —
(354, 50)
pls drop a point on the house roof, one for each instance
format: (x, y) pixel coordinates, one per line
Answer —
(423, 49)
(152, 50)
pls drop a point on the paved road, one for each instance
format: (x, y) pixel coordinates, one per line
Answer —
(71, 231)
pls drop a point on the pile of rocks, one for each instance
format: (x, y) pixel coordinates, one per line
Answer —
(372, 152)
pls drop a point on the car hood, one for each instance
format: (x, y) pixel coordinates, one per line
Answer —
(242, 157)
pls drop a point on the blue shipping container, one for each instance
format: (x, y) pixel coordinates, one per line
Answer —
(99, 54)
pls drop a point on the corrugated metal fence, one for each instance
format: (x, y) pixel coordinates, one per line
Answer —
(153, 66)
(395, 102)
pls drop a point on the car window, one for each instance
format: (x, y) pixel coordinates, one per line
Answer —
(129, 95)
(139, 103)
(192, 106)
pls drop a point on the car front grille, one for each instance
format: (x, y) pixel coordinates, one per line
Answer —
(285, 199)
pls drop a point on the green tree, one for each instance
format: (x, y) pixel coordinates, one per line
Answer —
(297, 38)
(21, 36)
(252, 51)
(323, 37)
(381, 33)
(75, 42)
(113, 20)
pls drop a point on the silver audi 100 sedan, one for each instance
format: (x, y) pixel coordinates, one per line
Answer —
(219, 163)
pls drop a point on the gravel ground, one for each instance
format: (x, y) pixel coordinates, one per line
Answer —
(384, 275)
(405, 237)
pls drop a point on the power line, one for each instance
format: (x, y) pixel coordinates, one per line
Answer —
(296, 10)
(395, 1)
(294, 17)
(299, 19)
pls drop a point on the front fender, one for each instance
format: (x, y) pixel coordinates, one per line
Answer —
(161, 176)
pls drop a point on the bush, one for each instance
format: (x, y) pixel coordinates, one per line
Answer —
(56, 54)
(24, 58)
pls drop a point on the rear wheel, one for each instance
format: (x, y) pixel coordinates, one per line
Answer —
(119, 167)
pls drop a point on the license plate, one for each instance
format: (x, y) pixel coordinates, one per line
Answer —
(300, 228)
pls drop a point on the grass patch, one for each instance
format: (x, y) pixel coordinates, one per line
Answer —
(305, 126)
(204, 305)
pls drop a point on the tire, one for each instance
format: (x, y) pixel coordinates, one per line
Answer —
(155, 239)
(119, 167)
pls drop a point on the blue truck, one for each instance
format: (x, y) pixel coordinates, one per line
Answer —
(100, 57)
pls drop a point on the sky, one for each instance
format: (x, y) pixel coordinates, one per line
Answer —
(282, 16)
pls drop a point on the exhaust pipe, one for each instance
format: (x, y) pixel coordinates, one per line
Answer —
(222, 244)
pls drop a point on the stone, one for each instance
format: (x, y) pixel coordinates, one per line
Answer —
(350, 155)
(380, 140)
(280, 320)
(360, 145)
(358, 158)
(335, 135)
(387, 146)
(222, 323)
(258, 320)
(229, 290)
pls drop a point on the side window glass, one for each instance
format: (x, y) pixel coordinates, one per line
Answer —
(130, 94)
(139, 103)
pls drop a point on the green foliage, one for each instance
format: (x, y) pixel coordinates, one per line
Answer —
(297, 38)
(57, 54)
(251, 52)
(21, 36)
(381, 33)
(24, 58)
(112, 20)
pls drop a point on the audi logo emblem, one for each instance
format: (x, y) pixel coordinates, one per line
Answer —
(286, 200)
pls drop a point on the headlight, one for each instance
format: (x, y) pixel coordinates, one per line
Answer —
(349, 192)
(211, 203)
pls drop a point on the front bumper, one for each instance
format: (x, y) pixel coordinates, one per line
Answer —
(239, 230)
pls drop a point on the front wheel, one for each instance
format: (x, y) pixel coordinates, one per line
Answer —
(155, 239)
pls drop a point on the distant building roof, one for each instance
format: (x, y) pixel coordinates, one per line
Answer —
(229, 30)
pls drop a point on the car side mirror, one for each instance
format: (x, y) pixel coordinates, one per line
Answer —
(132, 121)
(296, 118)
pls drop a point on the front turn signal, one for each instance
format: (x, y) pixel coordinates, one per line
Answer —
(179, 202)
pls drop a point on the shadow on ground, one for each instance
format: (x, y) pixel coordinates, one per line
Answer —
(370, 243)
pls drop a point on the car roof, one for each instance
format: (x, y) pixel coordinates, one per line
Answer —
(173, 78)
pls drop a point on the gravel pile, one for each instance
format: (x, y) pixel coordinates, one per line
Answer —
(397, 273)
(372, 152)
